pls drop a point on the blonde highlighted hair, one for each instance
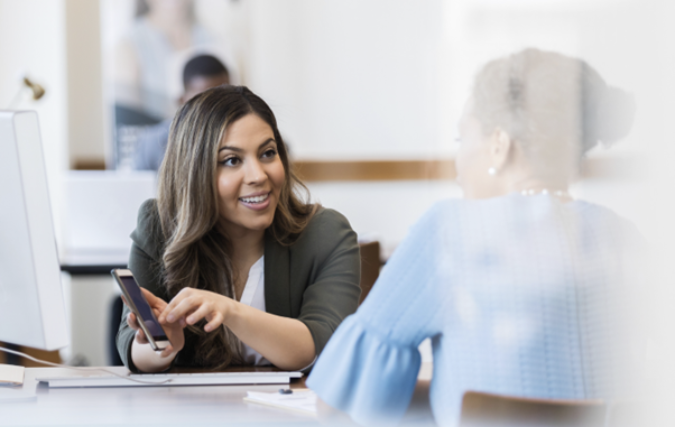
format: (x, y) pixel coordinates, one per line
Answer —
(556, 107)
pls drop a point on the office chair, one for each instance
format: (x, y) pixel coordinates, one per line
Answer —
(492, 410)
(370, 267)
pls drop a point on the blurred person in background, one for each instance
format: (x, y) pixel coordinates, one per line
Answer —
(200, 73)
(162, 31)
(518, 285)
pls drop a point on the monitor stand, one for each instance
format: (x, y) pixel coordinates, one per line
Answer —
(11, 375)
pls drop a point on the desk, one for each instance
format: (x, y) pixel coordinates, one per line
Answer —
(167, 406)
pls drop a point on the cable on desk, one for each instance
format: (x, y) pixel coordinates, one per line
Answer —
(80, 368)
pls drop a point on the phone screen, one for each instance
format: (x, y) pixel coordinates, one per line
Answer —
(144, 310)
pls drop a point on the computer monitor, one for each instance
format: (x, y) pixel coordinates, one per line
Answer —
(32, 309)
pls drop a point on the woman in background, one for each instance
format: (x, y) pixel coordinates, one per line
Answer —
(518, 285)
(252, 274)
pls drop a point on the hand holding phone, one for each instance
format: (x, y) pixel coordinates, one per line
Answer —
(145, 307)
(173, 331)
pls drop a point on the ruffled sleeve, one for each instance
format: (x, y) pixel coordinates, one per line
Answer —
(370, 378)
(369, 367)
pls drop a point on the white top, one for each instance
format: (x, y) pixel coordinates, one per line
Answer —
(254, 296)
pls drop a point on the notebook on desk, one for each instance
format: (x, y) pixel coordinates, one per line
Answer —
(62, 378)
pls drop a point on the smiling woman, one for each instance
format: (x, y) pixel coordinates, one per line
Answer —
(250, 176)
(237, 267)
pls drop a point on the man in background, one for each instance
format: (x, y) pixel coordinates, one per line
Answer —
(200, 73)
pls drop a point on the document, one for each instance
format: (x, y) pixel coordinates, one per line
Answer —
(11, 375)
(15, 385)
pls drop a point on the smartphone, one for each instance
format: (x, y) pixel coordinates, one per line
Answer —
(140, 307)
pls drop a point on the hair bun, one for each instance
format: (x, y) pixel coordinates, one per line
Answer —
(612, 119)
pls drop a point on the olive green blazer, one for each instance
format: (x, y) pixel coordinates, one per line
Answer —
(314, 280)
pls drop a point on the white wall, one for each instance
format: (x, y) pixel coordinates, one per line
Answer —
(383, 210)
(33, 43)
(388, 79)
(350, 79)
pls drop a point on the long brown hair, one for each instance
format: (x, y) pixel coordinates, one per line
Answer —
(197, 250)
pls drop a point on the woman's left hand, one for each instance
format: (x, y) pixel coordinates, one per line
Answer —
(196, 304)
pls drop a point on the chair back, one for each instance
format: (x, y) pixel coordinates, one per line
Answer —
(370, 267)
(491, 410)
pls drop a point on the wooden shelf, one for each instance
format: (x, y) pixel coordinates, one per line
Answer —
(445, 169)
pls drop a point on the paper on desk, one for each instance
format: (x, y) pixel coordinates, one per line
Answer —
(11, 374)
(14, 386)
(303, 400)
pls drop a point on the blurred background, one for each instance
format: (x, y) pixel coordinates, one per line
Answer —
(367, 94)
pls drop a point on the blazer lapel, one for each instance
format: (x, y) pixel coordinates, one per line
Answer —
(277, 278)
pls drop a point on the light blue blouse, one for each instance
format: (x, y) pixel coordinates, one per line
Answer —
(520, 295)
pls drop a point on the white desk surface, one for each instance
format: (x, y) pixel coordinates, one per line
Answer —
(166, 406)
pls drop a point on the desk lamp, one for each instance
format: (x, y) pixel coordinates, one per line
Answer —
(37, 91)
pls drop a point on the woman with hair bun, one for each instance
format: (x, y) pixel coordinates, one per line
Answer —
(237, 267)
(518, 285)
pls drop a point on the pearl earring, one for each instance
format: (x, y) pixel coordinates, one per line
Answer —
(492, 171)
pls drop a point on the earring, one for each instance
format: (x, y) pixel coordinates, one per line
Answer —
(492, 171)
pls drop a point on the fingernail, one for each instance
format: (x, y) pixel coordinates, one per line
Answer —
(190, 320)
(169, 317)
